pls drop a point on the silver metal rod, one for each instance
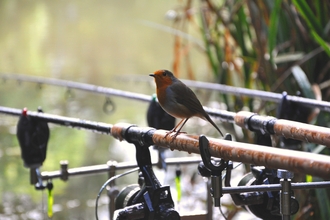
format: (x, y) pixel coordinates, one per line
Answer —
(274, 187)
(103, 168)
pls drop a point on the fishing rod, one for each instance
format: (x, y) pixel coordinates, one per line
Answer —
(301, 162)
(60, 120)
(263, 95)
(78, 86)
(247, 120)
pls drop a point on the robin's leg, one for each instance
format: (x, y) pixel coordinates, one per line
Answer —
(178, 132)
(174, 129)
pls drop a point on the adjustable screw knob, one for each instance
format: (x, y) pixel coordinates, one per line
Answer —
(284, 174)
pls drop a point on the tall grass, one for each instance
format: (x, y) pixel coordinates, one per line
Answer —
(273, 45)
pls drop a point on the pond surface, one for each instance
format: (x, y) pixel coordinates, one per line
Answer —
(105, 43)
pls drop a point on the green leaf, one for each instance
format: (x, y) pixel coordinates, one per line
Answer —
(308, 15)
(313, 23)
(320, 7)
(323, 199)
(303, 82)
(274, 16)
(205, 35)
(321, 42)
(318, 149)
(289, 57)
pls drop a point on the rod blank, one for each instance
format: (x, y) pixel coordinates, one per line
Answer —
(296, 161)
(61, 120)
(263, 95)
(78, 86)
(286, 128)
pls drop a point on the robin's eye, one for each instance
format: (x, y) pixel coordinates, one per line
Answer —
(164, 73)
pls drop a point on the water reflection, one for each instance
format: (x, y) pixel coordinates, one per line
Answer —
(82, 41)
(102, 43)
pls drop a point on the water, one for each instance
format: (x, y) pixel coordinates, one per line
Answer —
(92, 42)
(104, 43)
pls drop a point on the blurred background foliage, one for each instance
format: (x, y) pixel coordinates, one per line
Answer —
(255, 44)
(272, 45)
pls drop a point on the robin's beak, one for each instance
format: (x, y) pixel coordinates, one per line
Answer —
(153, 75)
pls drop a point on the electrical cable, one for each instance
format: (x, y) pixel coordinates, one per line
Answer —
(223, 176)
(107, 183)
(223, 214)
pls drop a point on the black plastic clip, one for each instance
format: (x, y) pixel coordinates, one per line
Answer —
(211, 165)
(211, 168)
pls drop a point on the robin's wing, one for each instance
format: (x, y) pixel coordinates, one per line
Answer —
(185, 96)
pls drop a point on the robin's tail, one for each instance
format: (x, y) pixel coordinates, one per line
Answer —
(207, 117)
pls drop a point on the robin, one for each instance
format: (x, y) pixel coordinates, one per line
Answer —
(178, 100)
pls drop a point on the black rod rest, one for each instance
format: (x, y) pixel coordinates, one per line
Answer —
(263, 124)
(140, 135)
(212, 169)
(156, 199)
